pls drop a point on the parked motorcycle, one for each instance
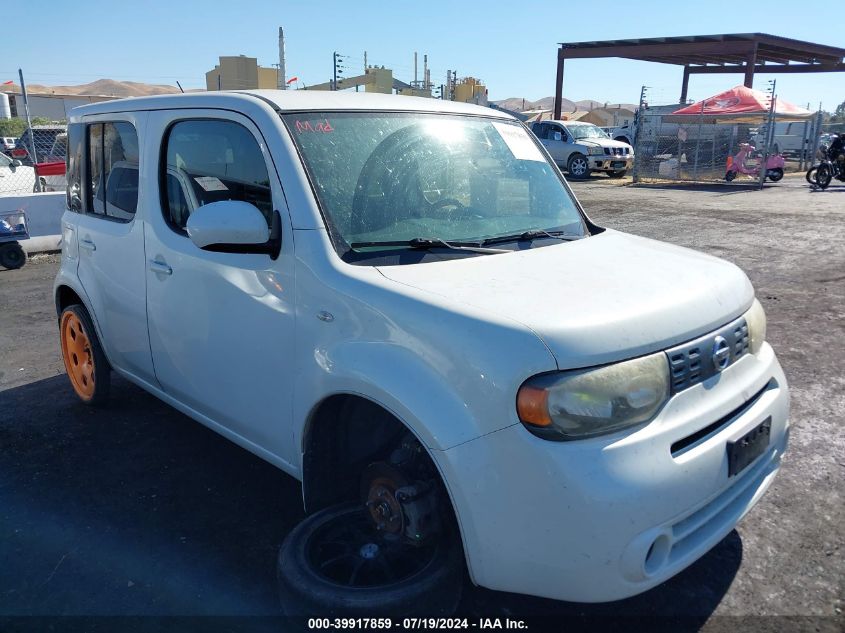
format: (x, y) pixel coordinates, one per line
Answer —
(738, 164)
(832, 164)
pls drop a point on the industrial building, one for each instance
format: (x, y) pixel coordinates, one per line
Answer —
(49, 106)
(470, 90)
(240, 72)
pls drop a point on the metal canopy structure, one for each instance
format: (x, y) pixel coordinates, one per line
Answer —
(745, 53)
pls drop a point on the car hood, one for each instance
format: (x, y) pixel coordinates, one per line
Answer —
(596, 300)
(601, 142)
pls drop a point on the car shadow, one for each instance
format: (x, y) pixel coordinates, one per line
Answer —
(134, 508)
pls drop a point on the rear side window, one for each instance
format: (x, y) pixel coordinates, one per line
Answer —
(211, 160)
(76, 146)
(113, 170)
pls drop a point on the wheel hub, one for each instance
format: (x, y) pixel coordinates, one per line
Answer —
(385, 510)
(369, 551)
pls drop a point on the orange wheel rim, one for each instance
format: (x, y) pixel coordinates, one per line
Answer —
(78, 357)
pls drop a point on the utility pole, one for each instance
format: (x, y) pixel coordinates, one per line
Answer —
(638, 124)
(770, 132)
(281, 78)
(338, 68)
(334, 72)
(29, 126)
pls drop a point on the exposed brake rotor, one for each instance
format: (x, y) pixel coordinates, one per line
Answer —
(378, 486)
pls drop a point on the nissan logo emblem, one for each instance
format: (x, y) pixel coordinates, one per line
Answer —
(721, 353)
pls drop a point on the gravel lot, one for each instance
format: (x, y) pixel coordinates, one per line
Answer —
(136, 509)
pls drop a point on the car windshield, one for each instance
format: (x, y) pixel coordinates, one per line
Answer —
(396, 177)
(586, 131)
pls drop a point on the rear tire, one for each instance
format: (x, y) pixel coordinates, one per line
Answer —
(12, 256)
(578, 166)
(730, 175)
(85, 362)
(775, 174)
(318, 559)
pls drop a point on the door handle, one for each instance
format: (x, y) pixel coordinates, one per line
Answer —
(160, 267)
(87, 244)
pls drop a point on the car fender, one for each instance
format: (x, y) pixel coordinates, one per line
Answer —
(64, 278)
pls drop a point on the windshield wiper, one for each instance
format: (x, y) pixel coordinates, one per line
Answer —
(532, 235)
(427, 243)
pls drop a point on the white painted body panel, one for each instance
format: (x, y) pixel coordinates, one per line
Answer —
(111, 259)
(597, 300)
(574, 520)
(242, 344)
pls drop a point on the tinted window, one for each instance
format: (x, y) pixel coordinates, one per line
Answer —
(113, 170)
(76, 145)
(208, 161)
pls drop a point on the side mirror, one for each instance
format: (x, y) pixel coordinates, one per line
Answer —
(234, 226)
(17, 162)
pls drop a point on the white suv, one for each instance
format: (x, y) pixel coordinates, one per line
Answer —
(582, 148)
(399, 302)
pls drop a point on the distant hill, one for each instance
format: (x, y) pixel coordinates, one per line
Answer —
(101, 87)
(547, 103)
(518, 104)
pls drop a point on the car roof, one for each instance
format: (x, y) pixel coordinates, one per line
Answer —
(290, 101)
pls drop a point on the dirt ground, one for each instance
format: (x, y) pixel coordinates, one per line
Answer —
(137, 510)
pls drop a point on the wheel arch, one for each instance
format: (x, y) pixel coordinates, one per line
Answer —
(65, 296)
(327, 478)
(66, 293)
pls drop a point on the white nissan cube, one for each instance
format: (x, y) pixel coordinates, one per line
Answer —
(399, 302)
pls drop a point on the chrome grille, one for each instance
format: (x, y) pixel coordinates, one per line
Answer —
(693, 362)
(616, 151)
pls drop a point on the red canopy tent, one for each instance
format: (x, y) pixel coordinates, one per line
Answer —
(739, 101)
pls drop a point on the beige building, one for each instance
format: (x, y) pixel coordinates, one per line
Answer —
(373, 80)
(240, 73)
(609, 116)
(471, 90)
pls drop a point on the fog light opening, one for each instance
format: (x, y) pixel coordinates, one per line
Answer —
(657, 555)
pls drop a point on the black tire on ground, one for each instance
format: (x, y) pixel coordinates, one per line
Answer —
(101, 367)
(432, 586)
(810, 176)
(730, 175)
(578, 166)
(617, 174)
(824, 175)
(12, 255)
(775, 174)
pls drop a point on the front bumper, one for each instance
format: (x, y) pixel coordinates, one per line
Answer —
(606, 518)
(611, 163)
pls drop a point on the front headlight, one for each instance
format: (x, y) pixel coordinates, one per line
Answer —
(755, 318)
(582, 403)
(595, 151)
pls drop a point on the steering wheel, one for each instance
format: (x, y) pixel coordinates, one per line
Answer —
(460, 209)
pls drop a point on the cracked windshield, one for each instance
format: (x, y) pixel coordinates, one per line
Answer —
(387, 178)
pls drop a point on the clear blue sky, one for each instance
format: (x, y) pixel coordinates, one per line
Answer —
(510, 45)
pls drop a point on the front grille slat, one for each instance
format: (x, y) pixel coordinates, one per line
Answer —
(692, 362)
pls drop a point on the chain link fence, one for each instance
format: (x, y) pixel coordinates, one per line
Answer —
(701, 148)
(34, 161)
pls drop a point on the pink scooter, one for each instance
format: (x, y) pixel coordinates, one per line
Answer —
(736, 165)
